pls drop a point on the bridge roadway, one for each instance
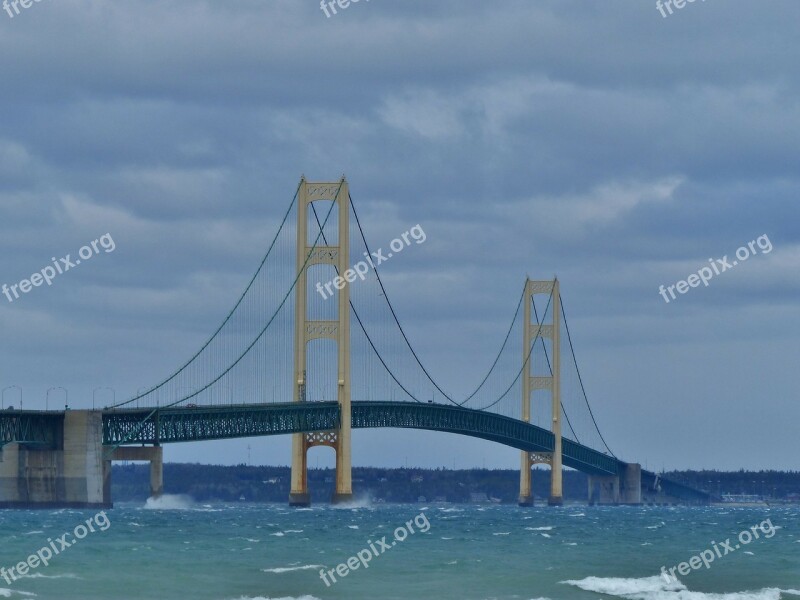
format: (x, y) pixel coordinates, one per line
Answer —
(189, 424)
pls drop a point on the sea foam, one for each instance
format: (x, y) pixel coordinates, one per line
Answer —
(656, 588)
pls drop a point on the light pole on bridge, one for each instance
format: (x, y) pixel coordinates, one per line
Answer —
(47, 397)
(3, 396)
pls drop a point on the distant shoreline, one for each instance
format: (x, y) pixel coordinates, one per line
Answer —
(130, 482)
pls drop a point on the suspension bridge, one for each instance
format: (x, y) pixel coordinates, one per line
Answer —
(286, 360)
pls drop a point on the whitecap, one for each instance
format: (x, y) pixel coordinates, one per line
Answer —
(6, 593)
(656, 588)
(281, 598)
(169, 502)
(643, 588)
(289, 569)
(360, 503)
(43, 576)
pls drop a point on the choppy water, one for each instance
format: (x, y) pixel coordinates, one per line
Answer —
(245, 551)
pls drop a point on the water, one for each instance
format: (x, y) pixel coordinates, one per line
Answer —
(177, 550)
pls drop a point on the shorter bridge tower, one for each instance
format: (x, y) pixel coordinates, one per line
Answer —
(307, 330)
(530, 383)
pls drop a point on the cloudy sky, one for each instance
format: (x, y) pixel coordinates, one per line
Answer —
(596, 140)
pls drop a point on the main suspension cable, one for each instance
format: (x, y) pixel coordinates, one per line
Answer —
(230, 314)
(408, 342)
(580, 379)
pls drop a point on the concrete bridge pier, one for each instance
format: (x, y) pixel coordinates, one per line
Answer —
(625, 488)
(71, 472)
(154, 455)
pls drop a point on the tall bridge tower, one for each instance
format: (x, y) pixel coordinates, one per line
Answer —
(530, 383)
(306, 330)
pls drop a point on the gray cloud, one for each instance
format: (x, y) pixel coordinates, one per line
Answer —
(597, 141)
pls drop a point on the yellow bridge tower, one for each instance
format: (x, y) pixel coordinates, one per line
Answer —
(307, 330)
(530, 383)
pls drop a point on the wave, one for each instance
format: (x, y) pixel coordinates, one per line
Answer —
(548, 528)
(43, 576)
(169, 502)
(289, 569)
(6, 593)
(282, 598)
(656, 588)
(357, 503)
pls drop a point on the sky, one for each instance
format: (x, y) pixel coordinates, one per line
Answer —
(603, 142)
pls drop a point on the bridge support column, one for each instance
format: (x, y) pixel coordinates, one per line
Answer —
(72, 473)
(298, 494)
(625, 488)
(604, 489)
(631, 485)
(157, 473)
(152, 454)
(320, 252)
(532, 331)
(525, 495)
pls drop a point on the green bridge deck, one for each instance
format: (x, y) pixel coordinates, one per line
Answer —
(191, 424)
(211, 423)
